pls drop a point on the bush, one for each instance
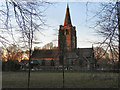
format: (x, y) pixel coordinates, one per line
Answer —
(10, 66)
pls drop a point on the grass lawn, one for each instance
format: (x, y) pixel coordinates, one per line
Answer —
(54, 80)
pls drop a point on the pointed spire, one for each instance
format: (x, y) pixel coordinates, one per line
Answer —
(67, 20)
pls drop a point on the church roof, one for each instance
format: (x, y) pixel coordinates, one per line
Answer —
(45, 54)
(84, 52)
(67, 20)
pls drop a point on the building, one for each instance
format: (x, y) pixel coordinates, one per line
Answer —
(67, 34)
(67, 51)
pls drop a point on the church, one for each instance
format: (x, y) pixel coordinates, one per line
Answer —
(67, 52)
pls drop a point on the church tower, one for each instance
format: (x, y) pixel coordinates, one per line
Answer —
(67, 34)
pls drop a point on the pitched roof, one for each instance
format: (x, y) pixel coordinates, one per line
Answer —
(45, 54)
(86, 52)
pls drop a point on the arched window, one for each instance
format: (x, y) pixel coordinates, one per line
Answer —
(67, 32)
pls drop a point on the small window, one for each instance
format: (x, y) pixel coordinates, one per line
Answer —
(67, 32)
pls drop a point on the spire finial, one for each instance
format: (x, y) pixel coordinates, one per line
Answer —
(67, 5)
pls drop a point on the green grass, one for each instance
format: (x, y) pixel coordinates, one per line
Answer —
(54, 80)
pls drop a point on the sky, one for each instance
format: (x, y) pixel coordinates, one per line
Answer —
(81, 14)
(55, 15)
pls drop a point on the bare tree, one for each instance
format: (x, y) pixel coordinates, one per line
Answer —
(24, 17)
(16, 15)
(107, 27)
(48, 46)
(99, 58)
(13, 53)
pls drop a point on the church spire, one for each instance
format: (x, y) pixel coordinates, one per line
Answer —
(67, 20)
